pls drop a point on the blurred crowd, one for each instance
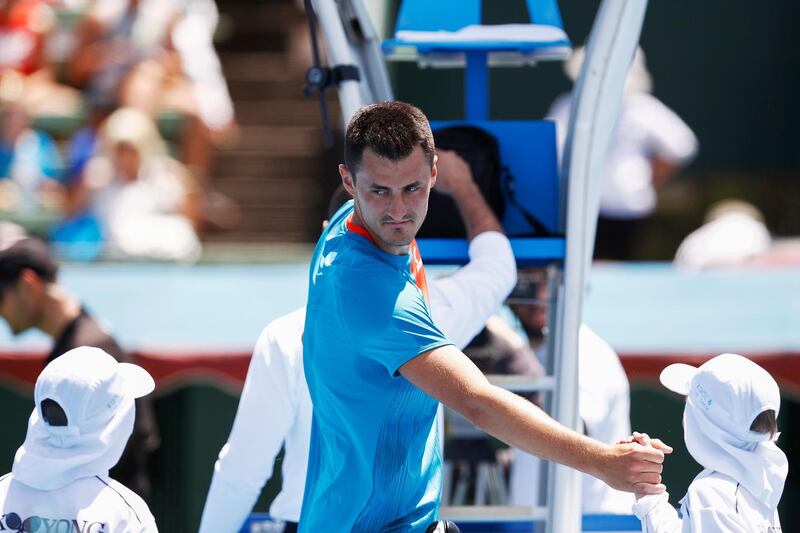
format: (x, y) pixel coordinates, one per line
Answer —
(121, 69)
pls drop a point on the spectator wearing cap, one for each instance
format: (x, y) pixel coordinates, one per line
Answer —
(730, 428)
(31, 297)
(84, 415)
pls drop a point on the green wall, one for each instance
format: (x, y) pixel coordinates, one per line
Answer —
(729, 68)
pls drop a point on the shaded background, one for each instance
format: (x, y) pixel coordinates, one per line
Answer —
(730, 69)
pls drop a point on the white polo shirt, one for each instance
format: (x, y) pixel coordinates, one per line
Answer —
(90, 505)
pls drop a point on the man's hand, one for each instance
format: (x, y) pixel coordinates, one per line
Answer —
(455, 180)
(635, 465)
(454, 174)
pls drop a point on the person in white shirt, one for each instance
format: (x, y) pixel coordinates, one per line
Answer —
(730, 428)
(461, 303)
(650, 144)
(82, 419)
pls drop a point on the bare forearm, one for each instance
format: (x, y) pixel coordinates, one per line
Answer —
(449, 376)
(523, 425)
(475, 212)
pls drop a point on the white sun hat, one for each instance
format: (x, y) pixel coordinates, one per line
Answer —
(723, 397)
(82, 420)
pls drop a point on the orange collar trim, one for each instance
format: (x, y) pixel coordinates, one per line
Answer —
(360, 230)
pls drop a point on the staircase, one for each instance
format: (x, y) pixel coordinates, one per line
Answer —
(279, 172)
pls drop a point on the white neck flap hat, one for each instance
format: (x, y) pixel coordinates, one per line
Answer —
(82, 420)
(723, 397)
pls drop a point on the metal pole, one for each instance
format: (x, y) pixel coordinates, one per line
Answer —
(595, 107)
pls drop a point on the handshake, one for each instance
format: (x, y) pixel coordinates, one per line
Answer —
(643, 439)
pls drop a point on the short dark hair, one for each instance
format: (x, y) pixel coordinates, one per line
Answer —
(765, 422)
(31, 253)
(390, 129)
(52, 413)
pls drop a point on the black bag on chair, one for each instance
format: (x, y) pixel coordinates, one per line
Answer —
(479, 149)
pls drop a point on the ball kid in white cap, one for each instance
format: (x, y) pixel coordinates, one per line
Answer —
(730, 428)
(82, 419)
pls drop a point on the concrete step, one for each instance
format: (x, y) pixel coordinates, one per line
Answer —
(243, 91)
(260, 237)
(282, 140)
(261, 66)
(257, 192)
(278, 218)
(255, 164)
(255, 19)
(286, 113)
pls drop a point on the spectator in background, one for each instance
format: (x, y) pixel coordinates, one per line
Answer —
(603, 399)
(31, 297)
(30, 164)
(25, 26)
(145, 201)
(158, 55)
(733, 234)
(650, 145)
(83, 416)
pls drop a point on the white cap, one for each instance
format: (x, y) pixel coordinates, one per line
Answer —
(731, 390)
(90, 386)
(87, 435)
(723, 397)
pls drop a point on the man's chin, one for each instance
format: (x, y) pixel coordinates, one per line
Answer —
(396, 242)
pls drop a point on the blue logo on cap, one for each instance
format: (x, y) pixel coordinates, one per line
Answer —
(703, 397)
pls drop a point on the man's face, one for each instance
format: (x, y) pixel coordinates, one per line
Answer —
(529, 300)
(17, 306)
(391, 197)
(127, 161)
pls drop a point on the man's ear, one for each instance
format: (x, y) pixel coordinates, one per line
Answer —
(434, 170)
(29, 282)
(348, 181)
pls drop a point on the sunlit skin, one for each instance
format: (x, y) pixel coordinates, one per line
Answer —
(127, 161)
(391, 197)
(18, 305)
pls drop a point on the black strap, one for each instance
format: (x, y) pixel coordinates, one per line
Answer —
(319, 77)
(510, 183)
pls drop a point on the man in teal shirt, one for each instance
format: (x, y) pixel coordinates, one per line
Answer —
(376, 365)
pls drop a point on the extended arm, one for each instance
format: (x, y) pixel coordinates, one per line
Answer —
(448, 375)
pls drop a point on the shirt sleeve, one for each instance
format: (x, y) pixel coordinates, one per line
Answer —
(246, 460)
(657, 515)
(388, 320)
(149, 527)
(462, 302)
(669, 136)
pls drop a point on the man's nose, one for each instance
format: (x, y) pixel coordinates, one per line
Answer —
(397, 207)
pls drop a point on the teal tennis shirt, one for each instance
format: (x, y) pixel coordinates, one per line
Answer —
(374, 462)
